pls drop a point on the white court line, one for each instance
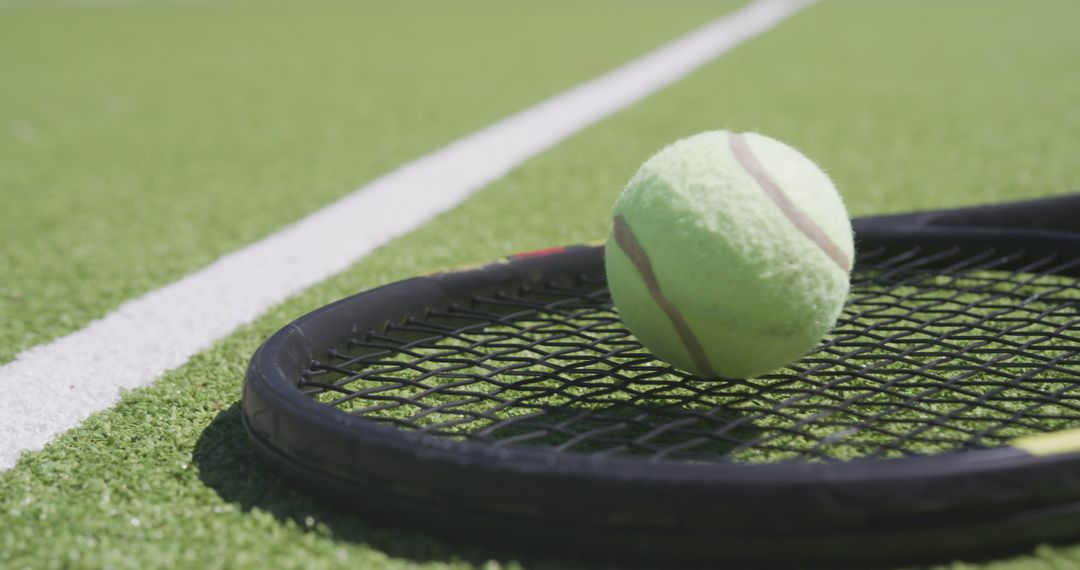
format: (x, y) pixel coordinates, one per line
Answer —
(53, 387)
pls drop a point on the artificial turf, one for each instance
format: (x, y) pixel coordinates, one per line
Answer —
(141, 140)
(907, 105)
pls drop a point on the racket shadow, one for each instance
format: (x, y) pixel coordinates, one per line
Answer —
(227, 464)
(636, 429)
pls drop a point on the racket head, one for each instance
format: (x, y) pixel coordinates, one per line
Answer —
(653, 502)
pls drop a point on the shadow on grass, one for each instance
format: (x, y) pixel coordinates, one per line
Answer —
(631, 429)
(228, 464)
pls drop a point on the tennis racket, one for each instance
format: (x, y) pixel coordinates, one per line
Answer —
(507, 404)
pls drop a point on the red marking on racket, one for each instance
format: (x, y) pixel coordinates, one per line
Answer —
(538, 252)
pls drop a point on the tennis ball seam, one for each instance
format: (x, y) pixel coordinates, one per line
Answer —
(631, 247)
(802, 222)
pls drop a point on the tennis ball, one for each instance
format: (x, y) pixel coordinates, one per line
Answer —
(730, 254)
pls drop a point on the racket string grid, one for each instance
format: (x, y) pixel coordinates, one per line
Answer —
(935, 352)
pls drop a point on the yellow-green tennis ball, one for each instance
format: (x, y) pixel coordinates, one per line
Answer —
(730, 254)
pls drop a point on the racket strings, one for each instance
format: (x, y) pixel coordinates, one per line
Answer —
(937, 351)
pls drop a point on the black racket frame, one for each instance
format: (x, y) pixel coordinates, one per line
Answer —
(857, 513)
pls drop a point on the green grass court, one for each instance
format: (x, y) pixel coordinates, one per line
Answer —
(140, 141)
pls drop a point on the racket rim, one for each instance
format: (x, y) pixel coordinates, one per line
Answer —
(899, 492)
(525, 459)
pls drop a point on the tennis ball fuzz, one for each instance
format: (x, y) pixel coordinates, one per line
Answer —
(730, 254)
